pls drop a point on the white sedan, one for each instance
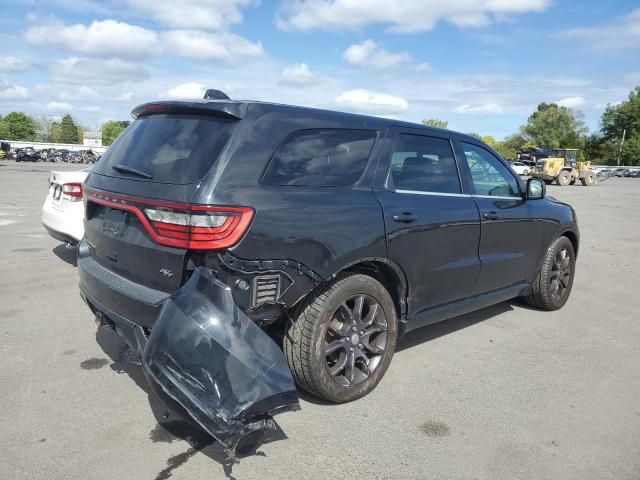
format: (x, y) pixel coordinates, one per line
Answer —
(63, 210)
(521, 168)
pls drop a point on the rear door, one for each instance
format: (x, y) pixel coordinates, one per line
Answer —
(511, 234)
(432, 228)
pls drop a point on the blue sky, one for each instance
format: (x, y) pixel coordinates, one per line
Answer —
(481, 65)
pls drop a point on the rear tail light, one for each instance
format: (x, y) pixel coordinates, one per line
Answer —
(195, 227)
(73, 191)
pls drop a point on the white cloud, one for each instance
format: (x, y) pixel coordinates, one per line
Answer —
(10, 64)
(297, 75)
(83, 70)
(199, 46)
(370, 102)
(571, 102)
(621, 34)
(368, 53)
(59, 107)
(103, 39)
(193, 14)
(13, 92)
(407, 16)
(186, 90)
(482, 108)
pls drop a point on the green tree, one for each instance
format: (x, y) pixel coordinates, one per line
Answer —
(475, 135)
(68, 130)
(624, 116)
(18, 126)
(630, 151)
(4, 132)
(555, 127)
(434, 122)
(111, 130)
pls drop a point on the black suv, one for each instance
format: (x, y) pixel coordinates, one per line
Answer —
(241, 246)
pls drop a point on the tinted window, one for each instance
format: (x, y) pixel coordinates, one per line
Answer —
(424, 164)
(490, 176)
(170, 148)
(328, 157)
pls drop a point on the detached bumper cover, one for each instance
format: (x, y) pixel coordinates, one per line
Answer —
(206, 355)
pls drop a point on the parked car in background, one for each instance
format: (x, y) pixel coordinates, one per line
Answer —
(219, 232)
(521, 168)
(634, 173)
(27, 154)
(63, 210)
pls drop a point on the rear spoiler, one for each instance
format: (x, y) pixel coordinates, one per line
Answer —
(225, 109)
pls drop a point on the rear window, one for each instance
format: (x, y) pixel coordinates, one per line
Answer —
(320, 157)
(167, 148)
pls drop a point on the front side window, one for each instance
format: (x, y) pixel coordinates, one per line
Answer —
(490, 177)
(424, 164)
(321, 157)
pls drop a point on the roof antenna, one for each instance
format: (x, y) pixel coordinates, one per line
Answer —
(212, 94)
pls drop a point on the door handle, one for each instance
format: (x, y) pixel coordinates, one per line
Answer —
(490, 216)
(406, 217)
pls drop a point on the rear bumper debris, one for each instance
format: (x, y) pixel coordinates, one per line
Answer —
(205, 355)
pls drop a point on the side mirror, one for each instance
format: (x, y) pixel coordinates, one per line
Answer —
(536, 189)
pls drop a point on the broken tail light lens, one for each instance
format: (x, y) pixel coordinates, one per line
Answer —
(194, 227)
(73, 191)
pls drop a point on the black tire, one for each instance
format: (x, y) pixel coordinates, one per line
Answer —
(589, 179)
(563, 178)
(314, 332)
(543, 293)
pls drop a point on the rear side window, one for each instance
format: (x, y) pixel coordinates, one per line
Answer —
(320, 157)
(167, 148)
(424, 164)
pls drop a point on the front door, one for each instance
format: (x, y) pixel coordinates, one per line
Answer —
(510, 234)
(432, 228)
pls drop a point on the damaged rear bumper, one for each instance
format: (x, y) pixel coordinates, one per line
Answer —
(205, 355)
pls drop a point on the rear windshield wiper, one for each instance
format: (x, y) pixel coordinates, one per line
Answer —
(119, 167)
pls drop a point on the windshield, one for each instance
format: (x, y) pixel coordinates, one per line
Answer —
(174, 148)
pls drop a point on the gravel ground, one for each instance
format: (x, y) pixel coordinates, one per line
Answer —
(505, 393)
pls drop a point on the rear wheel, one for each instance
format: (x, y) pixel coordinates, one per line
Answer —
(342, 340)
(552, 286)
(589, 179)
(563, 178)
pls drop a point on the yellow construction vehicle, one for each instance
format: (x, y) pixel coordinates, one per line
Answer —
(564, 168)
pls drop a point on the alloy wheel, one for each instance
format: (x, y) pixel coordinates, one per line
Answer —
(355, 340)
(560, 275)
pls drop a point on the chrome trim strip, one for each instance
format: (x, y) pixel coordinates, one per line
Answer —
(464, 195)
(438, 194)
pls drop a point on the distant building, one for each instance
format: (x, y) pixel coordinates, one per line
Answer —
(92, 139)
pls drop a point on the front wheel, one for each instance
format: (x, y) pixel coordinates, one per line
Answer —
(552, 286)
(589, 179)
(342, 340)
(563, 178)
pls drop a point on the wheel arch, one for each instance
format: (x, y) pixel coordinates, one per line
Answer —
(388, 273)
(573, 238)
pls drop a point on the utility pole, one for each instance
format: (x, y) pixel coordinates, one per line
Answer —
(624, 133)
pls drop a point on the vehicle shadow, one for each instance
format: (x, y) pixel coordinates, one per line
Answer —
(172, 425)
(431, 332)
(68, 255)
(445, 327)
